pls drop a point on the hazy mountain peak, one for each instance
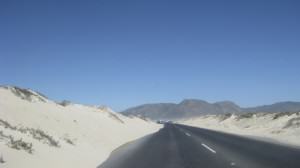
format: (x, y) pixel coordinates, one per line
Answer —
(185, 109)
(225, 102)
(190, 108)
(192, 101)
(286, 106)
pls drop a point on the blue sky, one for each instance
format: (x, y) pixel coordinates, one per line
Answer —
(126, 53)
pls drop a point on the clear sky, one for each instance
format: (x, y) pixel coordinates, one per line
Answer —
(124, 53)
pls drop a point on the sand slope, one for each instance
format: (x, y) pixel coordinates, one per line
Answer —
(280, 127)
(37, 132)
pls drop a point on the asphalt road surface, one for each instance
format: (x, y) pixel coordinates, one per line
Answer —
(179, 146)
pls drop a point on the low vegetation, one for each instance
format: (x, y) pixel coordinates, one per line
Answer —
(5, 124)
(69, 141)
(115, 117)
(278, 115)
(16, 144)
(245, 115)
(26, 94)
(225, 116)
(20, 145)
(293, 123)
(65, 103)
(37, 134)
(2, 160)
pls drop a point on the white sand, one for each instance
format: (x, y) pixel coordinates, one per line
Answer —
(95, 132)
(283, 129)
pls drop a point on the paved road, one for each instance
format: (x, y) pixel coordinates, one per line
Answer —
(178, 146)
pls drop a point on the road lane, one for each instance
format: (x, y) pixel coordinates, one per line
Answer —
(248, 152)
(179, 146)
(157, 150)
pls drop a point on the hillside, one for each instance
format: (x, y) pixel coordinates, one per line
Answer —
(282, 127)
(190, 108)
(38, 132)
(276, 107)
(186, 109)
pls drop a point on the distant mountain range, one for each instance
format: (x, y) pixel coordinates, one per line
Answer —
(192, 108)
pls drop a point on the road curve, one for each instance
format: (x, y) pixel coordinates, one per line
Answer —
(179, 146)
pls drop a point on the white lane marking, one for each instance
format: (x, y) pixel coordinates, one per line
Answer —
(232, 164)
(187, 134)
(207, 147)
